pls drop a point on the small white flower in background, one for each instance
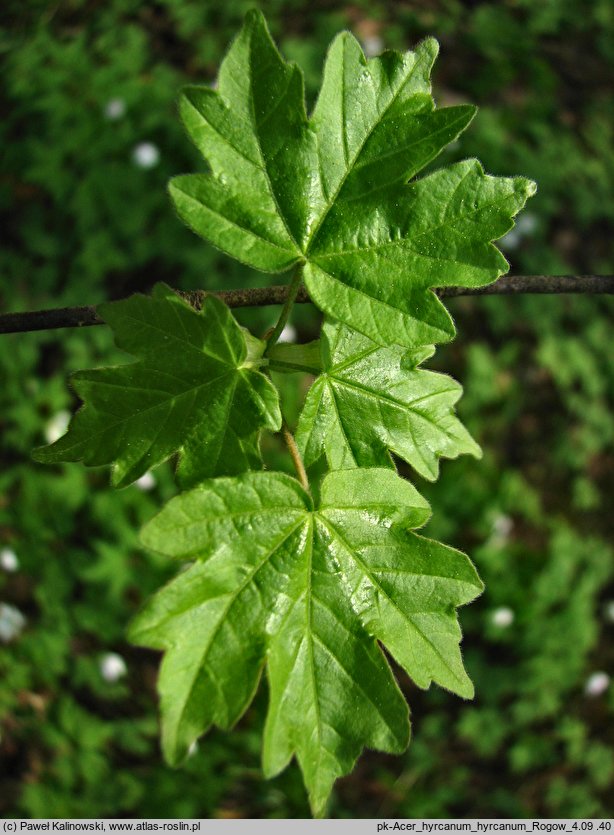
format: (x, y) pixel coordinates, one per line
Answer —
(608, 611)
(502, 527)
(57, 426)
(12, 622)
(9, 560)
(502, 617)
(146, 155)
(525, 226)
(112, 667)
(115, 109)
(146, 482)
(193, 748)
(596, 684)
(373, 45)
(288, 334)
(510, 241)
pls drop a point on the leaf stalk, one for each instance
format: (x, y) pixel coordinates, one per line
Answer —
(294, 287)
(297, 459)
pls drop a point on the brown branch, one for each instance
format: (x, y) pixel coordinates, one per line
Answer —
(77, 317)
(511, 285)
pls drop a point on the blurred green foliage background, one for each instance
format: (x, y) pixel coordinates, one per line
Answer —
(89, 136)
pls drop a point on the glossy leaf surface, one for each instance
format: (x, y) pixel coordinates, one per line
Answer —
(194, 390)
(370, 400)
(331, 191)
(308, 592)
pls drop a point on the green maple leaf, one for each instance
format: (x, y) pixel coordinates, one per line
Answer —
(195, 390)
(371, 399)
(308, 592)
(331, 192)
